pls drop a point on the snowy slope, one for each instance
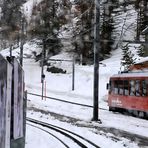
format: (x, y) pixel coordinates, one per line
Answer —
(59, 85)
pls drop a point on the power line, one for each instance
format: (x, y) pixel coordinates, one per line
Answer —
(73, 20)
(85, 11)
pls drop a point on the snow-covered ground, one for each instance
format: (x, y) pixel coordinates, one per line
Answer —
(60, 86)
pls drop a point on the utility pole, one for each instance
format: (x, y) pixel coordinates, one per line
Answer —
(96, 60)
(73, 73)
(42, 68)
(10, 50)
(22, 40)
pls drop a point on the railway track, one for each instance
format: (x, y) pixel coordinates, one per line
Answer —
(142, 141)
(86, 105)
(77, 139)
(46, 131)
(69, 102)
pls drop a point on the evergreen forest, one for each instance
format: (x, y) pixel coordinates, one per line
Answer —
(69, 25)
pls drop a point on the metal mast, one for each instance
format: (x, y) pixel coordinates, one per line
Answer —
(22, 40)
(96, 60)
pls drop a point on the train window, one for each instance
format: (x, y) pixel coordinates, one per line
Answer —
(126, 90)
(111, 86)
(120, 85)
(144, 87)
(116, 87)
(132, 87)
(137, 87)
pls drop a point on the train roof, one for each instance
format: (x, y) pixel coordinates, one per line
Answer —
(130, 75)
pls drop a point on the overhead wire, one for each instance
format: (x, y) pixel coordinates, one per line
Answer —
(75, 18)
(89, 28)
(79, 34)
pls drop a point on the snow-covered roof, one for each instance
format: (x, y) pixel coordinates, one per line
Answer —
(132, 74)
(143, 60)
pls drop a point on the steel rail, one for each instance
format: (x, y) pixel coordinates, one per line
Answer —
(56, 99)
(50, 134)
(63, 131)
(65, 134)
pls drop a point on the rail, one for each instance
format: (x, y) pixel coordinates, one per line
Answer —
(57, 99)
(50, 134)
(79, 140)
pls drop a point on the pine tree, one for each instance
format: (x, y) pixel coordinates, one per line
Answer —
(10, 22)
(106, 29)
(45, 25)
(141, 51)
(84, 30)
(127, 58)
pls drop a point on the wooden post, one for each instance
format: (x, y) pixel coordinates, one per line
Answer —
(73, 74)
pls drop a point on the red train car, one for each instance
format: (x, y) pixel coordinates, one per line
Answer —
(129, 92)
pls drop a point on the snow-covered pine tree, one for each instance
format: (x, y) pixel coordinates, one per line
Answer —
(10, 22)
(107, 29)
(127, 57)
(142, 21)
(83, 43)
(48, 17)
(140, 51)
